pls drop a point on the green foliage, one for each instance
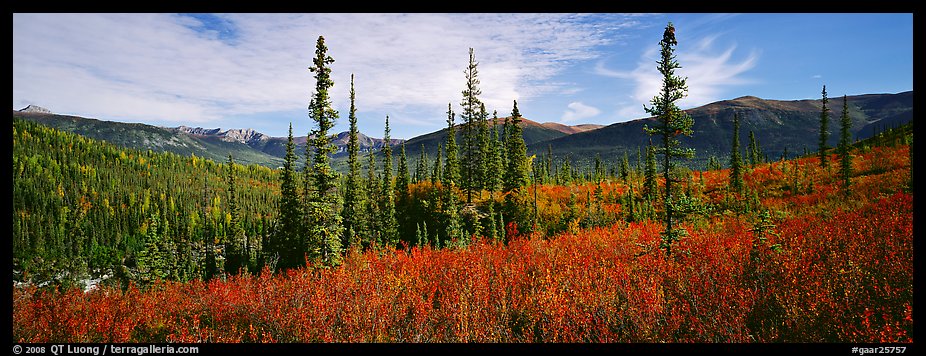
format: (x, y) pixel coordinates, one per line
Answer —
(353, 215)
(452, 166)
(421, 167)
(388, 226)
(845, 160)
(672, 123)
(472, 116)
(755, 153)
(824, 133)
(736, 163)
(285, 245)
(516, 152)
(323, 217)
(494, 159)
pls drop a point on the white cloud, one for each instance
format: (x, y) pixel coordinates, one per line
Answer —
(577, 111)
(169, 69)
(708, 72)
(816, 76)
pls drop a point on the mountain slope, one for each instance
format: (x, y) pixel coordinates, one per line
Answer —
(533, 132)
(778, 125)
(148, 137)
(246, 145)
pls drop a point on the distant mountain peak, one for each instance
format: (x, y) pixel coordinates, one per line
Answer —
(244, 135)
(35, 109)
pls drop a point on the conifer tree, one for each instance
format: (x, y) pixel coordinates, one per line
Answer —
(237, 249)
(401, 179)
(471, 116)
(452, 166)
(845, 160)
(754, 154)
(373, 188)
(672, 123)
(736, 163)
(625, 167)
(516, 174)
(494, 165)
(437, 174)
(390, 231)
(285, 244)
(421, 168)
(352, 214)
(325, 229)
(485, 151)
(402, 196)
(824, 133)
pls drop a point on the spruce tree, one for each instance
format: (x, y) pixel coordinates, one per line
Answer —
(389, 225)
(437, 174)
(452, 167)
(625, 167)
(672, 123)
(237, 256)
(754, 154)
(516, 174)
(421, 168)
(845, 137)
(471, 116)
(736, 163)
(484, 149)
(373, 228)
(494, 165)
(824, 133)
(401, 179)
(286, 242)
(402, 196)
(353, 214)
(325, 229)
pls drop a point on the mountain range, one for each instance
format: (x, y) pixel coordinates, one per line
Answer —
(778, 126)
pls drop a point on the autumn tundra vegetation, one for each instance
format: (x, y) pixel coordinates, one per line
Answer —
(481, 243)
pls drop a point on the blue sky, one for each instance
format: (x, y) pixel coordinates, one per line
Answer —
(250, 70)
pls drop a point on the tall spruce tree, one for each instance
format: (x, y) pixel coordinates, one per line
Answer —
(437, 174)
(736, 162)
(402, 196)
(373, 228)
(845, 137)
(470, 117)
(421, 167)
(285, 245)
(824, 130)
(389, 225)
(237, 250)
(754, 155)
(353, 214)
(517, 173)
(672, 123)
(452, 166)
(485, 151)
(325, 229)
(401, 178)
(494, 165)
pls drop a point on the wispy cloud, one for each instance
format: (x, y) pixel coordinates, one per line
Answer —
(188, 69)
(709, 73)
(576, 110)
